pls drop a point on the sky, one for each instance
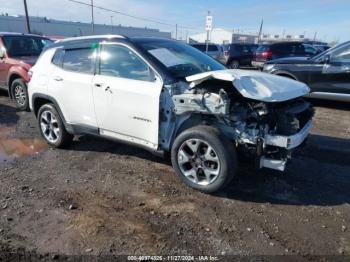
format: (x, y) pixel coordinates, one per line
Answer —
(329, 18)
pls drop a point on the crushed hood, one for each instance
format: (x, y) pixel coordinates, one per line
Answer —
(255, 85)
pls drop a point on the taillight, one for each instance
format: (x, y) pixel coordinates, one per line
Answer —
(266, 54)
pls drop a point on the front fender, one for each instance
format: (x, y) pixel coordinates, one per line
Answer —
(284, 73)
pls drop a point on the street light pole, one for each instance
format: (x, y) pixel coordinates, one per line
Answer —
(27, 16)
(208, 29)
(92, 17)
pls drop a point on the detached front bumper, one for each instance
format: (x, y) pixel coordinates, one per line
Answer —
(286, 142)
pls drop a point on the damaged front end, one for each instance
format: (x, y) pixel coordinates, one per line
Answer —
(263, 115)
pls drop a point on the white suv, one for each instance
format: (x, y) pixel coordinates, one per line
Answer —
(168, 97)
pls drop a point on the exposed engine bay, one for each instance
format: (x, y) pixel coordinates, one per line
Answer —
(264, 131)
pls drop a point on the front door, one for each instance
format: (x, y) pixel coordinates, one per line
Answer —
(334, 75)
(126, 94)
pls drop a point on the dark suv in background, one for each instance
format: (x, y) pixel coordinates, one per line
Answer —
(240, 55)
(267, 52)
(18, 53)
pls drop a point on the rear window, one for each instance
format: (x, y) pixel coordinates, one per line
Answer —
(262, 48)
(24, 45)
(79, 60)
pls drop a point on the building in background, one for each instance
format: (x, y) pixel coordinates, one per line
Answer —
(269, 38)
(57, 28)
(223, 36)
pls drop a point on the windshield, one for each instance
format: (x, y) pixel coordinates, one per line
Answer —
(330, 50)
(24, 45)
(181, 59)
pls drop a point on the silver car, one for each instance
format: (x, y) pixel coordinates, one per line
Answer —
(215, 51)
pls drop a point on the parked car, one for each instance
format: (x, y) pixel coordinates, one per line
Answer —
(215, 51)
(240, 55)
(267, 52)
(166, 96)
(18, 53)
(327, 74)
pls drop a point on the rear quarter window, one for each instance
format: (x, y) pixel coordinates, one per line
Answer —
(57, 57)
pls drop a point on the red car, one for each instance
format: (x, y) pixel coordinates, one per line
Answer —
(18, 53)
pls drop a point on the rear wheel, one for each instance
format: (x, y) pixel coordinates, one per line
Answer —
(20, 94)
(52, 128)
(204, 158)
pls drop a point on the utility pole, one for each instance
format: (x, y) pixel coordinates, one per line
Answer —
(176, 31)
(260, 30)
(315, 35)
(111, 20)
(92, 17)
(27, 16)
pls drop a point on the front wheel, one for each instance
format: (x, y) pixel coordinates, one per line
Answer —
(52, 128)
(204, 158)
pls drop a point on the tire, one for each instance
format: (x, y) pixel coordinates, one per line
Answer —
(193, 167)
(19, 92)
(52, 128)
(234, 64)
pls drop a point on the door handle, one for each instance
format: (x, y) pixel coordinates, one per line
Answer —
(98, 84)
(58, 78)
(108, 89)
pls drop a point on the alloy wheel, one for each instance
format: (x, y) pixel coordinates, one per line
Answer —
(198, 161)
(49, 126)
(20, 95)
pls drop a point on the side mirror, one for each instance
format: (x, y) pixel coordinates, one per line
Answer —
(2, 53)
(326, 59)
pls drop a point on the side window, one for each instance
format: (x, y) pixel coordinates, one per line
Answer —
(79, 60)
(212, 48)
(310, 50)
(200, 47)
(57, 57)
(298, 49)
(120, 61)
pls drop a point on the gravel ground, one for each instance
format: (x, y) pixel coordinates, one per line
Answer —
(98, 197)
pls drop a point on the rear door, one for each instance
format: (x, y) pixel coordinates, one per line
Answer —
(71, 86)
(247, 54)
(126, 96)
